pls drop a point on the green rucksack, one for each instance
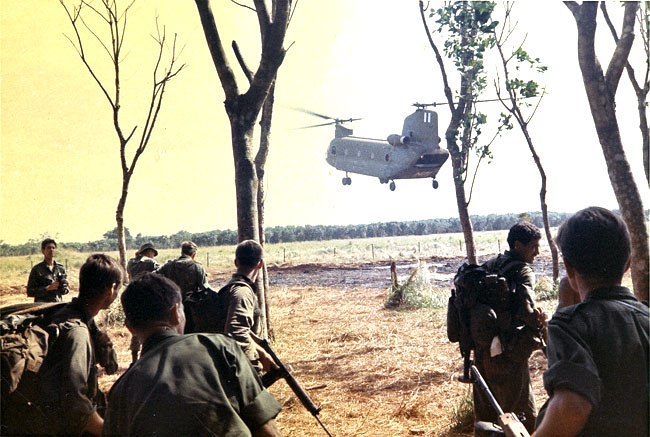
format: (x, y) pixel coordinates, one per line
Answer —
(206, 310)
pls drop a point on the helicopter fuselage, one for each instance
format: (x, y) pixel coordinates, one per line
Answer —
(414, 154)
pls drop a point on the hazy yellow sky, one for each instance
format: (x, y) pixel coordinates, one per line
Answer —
(59, 162)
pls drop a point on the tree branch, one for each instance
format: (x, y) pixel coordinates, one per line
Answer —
(445, 81)
(623, 47)
(224, 71)
(242, 63)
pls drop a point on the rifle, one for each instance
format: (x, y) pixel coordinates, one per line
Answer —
(510, 424)
(282, 372)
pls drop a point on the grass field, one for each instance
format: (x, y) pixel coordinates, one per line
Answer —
(14, 270)
(374, 371)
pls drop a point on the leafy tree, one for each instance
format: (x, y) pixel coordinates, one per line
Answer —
(601, 91)
(469, 32)
(518, 89)
(116, 21)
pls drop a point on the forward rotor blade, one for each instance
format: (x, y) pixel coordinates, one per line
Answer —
(306, 111)
(317, 125)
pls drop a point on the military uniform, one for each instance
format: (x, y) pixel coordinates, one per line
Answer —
(195, 384)
(243, 316)
(188, 274)
(507, 374)
(69, 375)
(40, 278)
(599, 349)
(137, 267)
(140, 265)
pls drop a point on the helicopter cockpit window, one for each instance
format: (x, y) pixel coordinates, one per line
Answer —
(428, 117)
(333, 150)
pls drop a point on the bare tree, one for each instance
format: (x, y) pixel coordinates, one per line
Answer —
(470, 33)
(643, 17)
(601, 90)
(116, 22)
(243, 109)
(516, 89)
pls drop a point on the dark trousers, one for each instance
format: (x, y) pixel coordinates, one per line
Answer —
(510, 384)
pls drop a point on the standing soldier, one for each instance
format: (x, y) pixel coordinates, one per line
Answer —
(507, 373)
(47, 280)
(142, 263)
(187, 273)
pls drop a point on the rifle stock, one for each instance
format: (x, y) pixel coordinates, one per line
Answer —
(509, 423)
(282, 372)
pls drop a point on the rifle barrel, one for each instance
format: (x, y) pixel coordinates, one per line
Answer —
(485, 389)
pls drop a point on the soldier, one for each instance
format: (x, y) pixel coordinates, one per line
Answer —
(187, 273)
(597, 376)
(240, 299)
(507, 374)
(47, 280)
(194, 384)
(142, 263)
(68, 376)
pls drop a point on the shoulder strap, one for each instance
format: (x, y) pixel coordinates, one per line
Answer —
(510, 265)
(634, 308)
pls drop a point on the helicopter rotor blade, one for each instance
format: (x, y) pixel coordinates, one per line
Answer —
(316, 114)
(317, 125)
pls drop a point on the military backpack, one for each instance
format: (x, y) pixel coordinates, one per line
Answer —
(206, 310)
(481, 312)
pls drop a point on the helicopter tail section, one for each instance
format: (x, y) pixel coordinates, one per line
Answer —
(422, 127)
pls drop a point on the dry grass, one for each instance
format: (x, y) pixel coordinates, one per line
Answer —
(384, 372)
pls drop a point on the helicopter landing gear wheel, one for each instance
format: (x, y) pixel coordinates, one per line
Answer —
(346, 181)
(435, 184)
(392, 185)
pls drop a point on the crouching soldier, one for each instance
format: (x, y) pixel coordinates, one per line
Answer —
(194, 384)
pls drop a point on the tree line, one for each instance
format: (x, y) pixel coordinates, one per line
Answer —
(287, 234)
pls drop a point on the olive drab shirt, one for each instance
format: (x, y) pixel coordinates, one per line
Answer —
(40, 278)
(188, 274)
(189, 385)
(599, 349)
(140, 265)
(69, 374)
(243, 315)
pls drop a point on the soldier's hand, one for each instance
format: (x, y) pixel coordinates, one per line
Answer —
(53, 286)
(266, 360)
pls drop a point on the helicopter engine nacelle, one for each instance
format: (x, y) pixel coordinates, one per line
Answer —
(398, 140)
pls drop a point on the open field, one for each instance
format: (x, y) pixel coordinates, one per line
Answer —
(375, 372)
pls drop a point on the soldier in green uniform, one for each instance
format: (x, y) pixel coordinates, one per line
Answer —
(187, 273)
(507, 373)
(68, 376)
(143, 262)
(243, 310)
(194, 384)
(598, 376)
(47, 280)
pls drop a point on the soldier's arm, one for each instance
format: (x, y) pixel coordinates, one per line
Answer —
(566, 414)
(525, 280)
(269, 429)
(239, 320)
(39, 286)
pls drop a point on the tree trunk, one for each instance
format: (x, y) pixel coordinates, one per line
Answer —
(601, 91)
(260, 162)
(245, 179)
(119, 218)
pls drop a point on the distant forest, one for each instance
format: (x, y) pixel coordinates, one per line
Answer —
(283, 234)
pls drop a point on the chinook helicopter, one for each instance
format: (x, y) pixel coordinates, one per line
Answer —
(416, 153)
